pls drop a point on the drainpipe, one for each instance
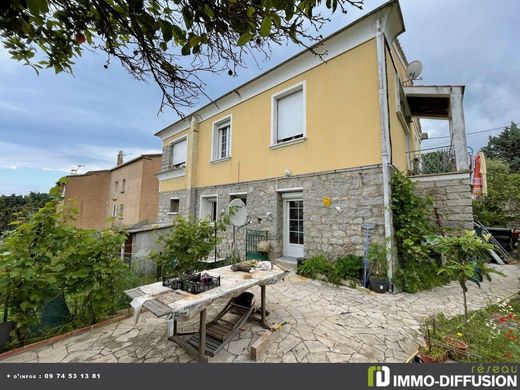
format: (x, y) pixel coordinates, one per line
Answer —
(385, 146)
(191, 168)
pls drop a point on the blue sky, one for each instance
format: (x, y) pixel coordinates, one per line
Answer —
(51, 123)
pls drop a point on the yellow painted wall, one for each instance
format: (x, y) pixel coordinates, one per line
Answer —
(177, 183)
(398, 133)
(342, 126)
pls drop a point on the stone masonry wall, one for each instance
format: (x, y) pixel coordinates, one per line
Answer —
(356, 198)
(164, 214)
(451, 195)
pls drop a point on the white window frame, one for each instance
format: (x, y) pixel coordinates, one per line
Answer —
(215, 144)
(170, 155)
(202, 199)
(274, 114)
(170, 207)
(114, 210)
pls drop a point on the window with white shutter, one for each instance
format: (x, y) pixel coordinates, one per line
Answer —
(289, 115)
(178, 153)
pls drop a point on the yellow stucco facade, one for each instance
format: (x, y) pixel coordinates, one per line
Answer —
(342, 127)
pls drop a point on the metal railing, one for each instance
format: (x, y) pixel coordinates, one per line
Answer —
(431, 161)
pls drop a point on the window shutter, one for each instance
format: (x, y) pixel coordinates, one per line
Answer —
(290, 115)
(179, 152)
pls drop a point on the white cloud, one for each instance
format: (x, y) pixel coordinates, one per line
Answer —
(63, 158)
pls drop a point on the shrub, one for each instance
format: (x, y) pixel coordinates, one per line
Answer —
(187, 243)
(316, 265)
(420, 276)
(345, 267)
(378, 266)
(348, 266)
(45, 257)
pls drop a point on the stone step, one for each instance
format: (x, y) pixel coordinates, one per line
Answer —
(288, 263)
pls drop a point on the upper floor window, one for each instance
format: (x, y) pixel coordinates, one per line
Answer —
(178, 153)
(222, 139)
(288, 115)
(123, 185)
(117, 186)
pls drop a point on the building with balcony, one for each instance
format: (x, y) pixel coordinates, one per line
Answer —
(310, 145)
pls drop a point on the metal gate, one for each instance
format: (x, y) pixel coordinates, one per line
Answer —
(253, 237)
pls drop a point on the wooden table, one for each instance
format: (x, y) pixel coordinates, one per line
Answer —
(179, 305)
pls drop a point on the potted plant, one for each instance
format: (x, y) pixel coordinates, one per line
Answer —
(433, 354)
(457, 347)
(378, 268)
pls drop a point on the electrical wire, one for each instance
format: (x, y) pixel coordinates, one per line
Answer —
(475, 132)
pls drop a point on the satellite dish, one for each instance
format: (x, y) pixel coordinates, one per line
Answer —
(413, 70)
(239, 211)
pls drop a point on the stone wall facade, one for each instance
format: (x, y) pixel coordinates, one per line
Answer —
(356, 198)
(451, 194)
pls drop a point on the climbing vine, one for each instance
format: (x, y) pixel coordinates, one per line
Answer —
(418, 264)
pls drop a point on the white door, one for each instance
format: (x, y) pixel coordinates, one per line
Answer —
(293, 226)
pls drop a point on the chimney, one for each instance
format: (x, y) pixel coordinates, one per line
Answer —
(120, 158)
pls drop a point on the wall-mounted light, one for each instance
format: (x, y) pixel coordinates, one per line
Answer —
(287, 172)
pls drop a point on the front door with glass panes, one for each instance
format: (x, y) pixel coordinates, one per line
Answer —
(293, 226)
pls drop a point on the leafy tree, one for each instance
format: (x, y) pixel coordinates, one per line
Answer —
(170, 41)
(465, 260)
(505, 147)
(16, 207)
(187, 243)
(501, 207)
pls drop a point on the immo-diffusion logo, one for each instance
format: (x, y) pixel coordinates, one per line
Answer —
(378, 376)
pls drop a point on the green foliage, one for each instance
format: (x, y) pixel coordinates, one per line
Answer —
(422, 275)
(315, 266)
(378, 265)
(45, 256)
(411, 220)
(187, 243)
(417, 264)
(346, 267)
(18, 207)
(492, 334)
(343, 268)
(465, 259)
(501, 207)
(150, 38)
(505, 147)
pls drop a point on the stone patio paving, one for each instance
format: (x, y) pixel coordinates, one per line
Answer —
(324, 324)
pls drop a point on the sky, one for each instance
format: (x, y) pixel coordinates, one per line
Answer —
(50, 124)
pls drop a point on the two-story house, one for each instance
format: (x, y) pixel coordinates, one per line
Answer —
(310, 144)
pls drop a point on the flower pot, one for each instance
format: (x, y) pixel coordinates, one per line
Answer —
(458, 347)
(379, 285)
(428, 359)
(5, 332)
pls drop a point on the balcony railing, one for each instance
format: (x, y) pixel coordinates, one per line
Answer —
(431, 161)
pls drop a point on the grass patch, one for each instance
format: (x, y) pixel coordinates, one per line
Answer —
(492, 334)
